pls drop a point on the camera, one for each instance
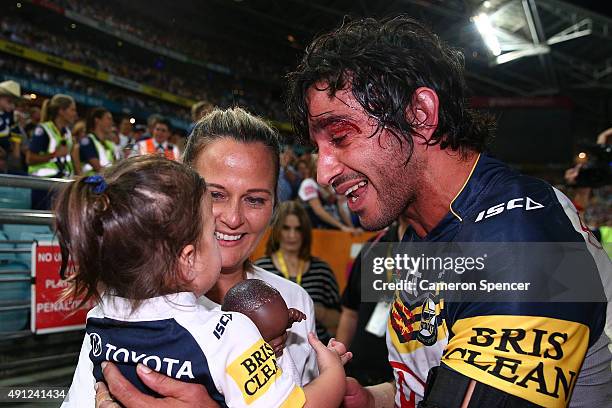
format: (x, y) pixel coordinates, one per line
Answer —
(595, 166)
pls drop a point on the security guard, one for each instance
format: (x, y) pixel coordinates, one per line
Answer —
(158, 144)
(95, 150)
(51, 144)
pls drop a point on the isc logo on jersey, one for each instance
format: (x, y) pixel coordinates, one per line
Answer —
(255, 370)
(525, 203)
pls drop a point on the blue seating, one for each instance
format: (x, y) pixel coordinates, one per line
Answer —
(6, 256)
(26, 257)
(14, 292)
(14, 231)
(12, 197)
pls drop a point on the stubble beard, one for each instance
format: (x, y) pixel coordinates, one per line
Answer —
(401, 191)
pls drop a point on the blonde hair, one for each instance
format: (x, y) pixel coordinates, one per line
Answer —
(51, 107)
(78, 128)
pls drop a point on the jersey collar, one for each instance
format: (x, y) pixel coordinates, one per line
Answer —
(466, 199)
(161, 307)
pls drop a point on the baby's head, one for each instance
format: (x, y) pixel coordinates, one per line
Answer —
(264, 305)
(142, 229)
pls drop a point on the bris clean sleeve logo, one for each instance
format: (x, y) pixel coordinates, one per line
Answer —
(255, 370)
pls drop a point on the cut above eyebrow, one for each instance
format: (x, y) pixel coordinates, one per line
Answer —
(320, 123)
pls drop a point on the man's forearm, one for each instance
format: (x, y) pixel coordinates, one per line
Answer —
(384, 394)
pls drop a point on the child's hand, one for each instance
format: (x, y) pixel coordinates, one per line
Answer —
(327, 358)
(340, 349)
(295, 316)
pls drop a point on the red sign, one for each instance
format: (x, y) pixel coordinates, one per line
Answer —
(49, 312)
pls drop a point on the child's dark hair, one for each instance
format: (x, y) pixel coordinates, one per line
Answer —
(126, 228)
(249, 295)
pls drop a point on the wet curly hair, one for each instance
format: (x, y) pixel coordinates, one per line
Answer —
(383, 62)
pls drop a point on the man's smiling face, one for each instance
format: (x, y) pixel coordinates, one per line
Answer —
(368, 167)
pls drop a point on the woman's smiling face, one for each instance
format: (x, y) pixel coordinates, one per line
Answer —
(240, 179)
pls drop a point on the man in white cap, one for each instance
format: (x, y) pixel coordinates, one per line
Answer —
(9, 91)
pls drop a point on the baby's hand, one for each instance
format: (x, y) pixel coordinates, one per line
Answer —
(326, 357)
(295, 316)
(340, 349)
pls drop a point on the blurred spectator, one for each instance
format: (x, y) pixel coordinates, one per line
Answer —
(158, 143)
(34, 120)
(288, 255)
(19, 141)
(3, 161)
(49, 152)
(222, 89)
(178, 139)
(288, 179)
(151, 121)
(97, 150)
(247, 63)
(320, 202)
(605, 137)
(589, 186)
(139, 131)
(126, 134)
(9, 92)
(359, 323)
(79, 131)
(55, 77)
(200, 109)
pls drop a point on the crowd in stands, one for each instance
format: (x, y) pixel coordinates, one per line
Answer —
(197, 85)
(174, 39)
(53, 77)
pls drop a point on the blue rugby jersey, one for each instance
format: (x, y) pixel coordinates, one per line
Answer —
(175, 336)
(537, 351)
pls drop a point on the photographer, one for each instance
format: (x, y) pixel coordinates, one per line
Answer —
(591, 179)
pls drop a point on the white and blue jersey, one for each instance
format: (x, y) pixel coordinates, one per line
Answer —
(177, 337)
(6, 123)
(551, 354)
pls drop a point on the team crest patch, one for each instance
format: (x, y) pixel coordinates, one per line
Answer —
(402, 321)
(428, 332)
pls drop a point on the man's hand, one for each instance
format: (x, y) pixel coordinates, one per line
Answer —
(356, 396)
(177, 394)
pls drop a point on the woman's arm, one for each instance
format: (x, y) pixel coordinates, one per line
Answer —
(347, 326)
(344, 211)
(328, 317)
(323, 215)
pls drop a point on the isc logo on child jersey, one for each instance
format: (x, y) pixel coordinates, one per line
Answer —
(523, 202)
(255, 370)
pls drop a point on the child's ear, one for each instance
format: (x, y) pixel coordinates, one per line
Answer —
(186, 260)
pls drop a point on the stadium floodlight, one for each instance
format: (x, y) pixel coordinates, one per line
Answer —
(485, 28)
